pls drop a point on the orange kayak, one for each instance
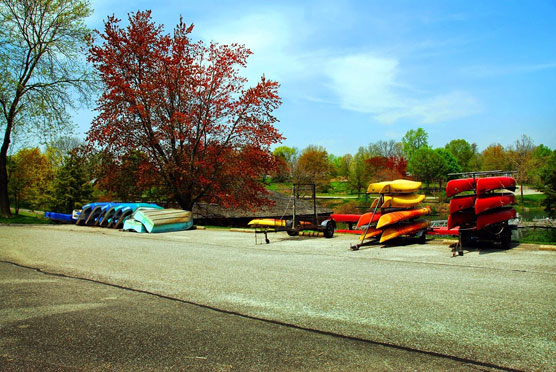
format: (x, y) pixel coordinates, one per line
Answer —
(399, 230)
(371, 233)
(365, 219)
(394, 217)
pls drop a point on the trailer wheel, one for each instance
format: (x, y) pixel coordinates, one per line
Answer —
(506, 238)
(292, 232)
(329, 229)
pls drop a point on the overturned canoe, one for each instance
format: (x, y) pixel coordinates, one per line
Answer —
(494, 183)
(399, 216)
(394, 187)
(399, 201)
(400, 230)
(160, 220)
(454, 187)
(493, 201)
(462, 202)
(495, 216)
(461, 219)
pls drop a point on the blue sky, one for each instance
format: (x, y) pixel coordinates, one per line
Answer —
(355, 72)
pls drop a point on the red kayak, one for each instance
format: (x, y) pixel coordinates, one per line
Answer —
(459, 203)
(454, 187)
(493, 201)
(494, 216)
(366, 219)
(460, 219)
(494, 183)
(352, 218)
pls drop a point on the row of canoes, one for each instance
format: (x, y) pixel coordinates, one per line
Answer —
(139, 217)
(109, 214)
(481, 203)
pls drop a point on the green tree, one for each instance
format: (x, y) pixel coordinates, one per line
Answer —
(345, 164)
(71, 187)
(463, 152)
(360, 173)
(42, 69)
(288, 157)
(547, 175)
(451, 165)
(414, 140)
(428, 165)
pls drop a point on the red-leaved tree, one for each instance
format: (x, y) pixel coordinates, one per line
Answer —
(185, 105)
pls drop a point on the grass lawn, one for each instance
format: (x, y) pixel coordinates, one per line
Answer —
(25, 217)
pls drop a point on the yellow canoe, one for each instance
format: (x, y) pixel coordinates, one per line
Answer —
(394, 187)
(400, 201)
(371, 233)
(399, 230)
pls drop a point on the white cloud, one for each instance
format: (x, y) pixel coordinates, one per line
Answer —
(272, 36)
(370, 84)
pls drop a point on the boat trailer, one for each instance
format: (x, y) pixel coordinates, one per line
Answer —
(296, 226)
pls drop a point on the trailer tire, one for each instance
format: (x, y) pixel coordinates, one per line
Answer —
(292, 232)
(329, 229)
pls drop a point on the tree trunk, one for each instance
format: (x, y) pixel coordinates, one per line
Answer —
(4, 198)
(521, 194)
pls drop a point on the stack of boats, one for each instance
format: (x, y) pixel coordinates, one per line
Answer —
(478, 202)
(140, 217)
(395, 212)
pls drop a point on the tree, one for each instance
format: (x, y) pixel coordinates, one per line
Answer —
(185, 106)
(313, 166)
(360, 172)
(288, 161)
(41, 43)
(520, 156)
(386, 149)
(427, 165)
(71, 186)
(413, 140)
(463, 152)
(548, 184)
(30, 175)
(494, 157)
(345, 164)
(451, 165)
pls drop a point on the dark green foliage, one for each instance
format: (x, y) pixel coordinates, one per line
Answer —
(71, 187)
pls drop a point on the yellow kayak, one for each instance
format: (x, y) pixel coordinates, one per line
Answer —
(400, 201)
(371, 233)
(399, 230)
(272, 222)
(394, 187)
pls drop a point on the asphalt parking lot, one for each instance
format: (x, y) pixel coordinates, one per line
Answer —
(425, 309)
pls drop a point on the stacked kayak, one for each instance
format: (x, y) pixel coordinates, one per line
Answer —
(480, 202)
(395, 212)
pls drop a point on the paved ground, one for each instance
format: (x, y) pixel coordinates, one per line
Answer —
(495, 308)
